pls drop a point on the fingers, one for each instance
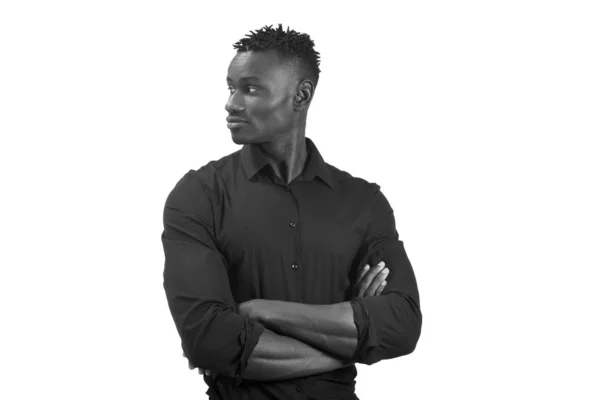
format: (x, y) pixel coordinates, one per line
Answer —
(208, 372)
(380, 288)
(202, 371)
(377, 281)
(367, 276)
(363, 272)
(365, 282)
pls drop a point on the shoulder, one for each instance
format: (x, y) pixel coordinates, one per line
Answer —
(218, 170)
(366, 195)
(197, 185)
(350, 185)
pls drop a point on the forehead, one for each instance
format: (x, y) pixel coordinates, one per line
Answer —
(261, 65)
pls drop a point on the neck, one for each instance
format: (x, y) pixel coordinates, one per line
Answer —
(287, 155)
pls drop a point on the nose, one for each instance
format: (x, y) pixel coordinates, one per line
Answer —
(235, 103)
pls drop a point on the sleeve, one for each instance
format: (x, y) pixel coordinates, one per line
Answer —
(213, 335)
(388, 325)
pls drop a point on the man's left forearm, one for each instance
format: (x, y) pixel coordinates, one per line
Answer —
(329, 328)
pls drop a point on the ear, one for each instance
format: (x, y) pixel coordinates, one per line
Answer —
(304, 94)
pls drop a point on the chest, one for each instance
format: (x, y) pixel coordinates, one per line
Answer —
(279, 242)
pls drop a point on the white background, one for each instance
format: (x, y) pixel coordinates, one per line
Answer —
(479, 120)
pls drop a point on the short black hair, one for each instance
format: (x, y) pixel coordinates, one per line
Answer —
(290, 45)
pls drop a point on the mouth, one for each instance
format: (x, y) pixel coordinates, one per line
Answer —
(236, 124)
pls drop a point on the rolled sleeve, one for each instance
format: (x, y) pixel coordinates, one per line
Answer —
(388, 325)
(213, 335)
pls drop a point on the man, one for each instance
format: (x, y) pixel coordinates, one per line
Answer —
(265, 248)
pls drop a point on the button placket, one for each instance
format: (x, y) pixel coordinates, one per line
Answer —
(294, 223)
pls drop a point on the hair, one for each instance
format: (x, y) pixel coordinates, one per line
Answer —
(293, 47)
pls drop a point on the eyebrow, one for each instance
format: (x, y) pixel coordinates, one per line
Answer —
(245, 78)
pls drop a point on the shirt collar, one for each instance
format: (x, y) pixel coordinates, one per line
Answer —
(253, 160)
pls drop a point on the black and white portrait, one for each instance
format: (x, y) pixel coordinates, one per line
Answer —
(316, 200)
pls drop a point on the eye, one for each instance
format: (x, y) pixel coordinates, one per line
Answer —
(252, 89)
(231, 89)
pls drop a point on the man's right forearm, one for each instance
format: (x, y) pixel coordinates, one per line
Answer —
(278, 357)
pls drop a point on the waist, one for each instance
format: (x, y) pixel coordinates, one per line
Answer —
(339, 383)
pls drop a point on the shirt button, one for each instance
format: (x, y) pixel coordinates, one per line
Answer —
(287, 189)
(292, 224)
(294, 266)
(299, 388)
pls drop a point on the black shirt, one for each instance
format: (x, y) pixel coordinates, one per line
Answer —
(234, 231)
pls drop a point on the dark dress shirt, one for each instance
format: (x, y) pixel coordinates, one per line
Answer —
(234, 231)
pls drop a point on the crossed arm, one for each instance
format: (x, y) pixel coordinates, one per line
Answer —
(308, 339)
(258, 340)
(330, 328)
(305, 339)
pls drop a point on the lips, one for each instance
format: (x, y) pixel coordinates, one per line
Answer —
(236, 120)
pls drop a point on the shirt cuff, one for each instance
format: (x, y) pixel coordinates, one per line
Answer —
(368, 339)
(248, 340)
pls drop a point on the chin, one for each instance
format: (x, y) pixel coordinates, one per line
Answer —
(238, 140)
(240, 137)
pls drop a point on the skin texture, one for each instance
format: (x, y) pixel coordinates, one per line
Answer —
(328, 328)
(279, 357)
(371, 281)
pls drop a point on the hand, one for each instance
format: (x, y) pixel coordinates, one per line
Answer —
(254, 309)
(244, 308)
(371, 281)
(200, 370)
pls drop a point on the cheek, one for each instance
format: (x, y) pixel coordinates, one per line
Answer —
(272, 114)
